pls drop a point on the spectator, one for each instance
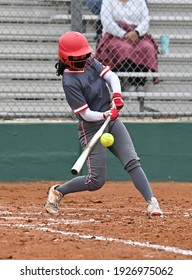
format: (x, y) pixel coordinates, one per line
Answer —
(95, 7)
(126, 44)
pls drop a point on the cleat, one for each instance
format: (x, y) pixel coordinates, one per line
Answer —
(153, 208)
(53, 200)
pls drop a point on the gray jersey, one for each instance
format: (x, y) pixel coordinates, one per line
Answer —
(87, 88)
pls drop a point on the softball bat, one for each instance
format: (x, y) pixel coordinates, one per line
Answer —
(83, 157)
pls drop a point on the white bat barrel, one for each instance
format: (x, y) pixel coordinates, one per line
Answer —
(82, 158)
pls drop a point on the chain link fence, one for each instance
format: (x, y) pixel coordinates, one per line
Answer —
(29, 32)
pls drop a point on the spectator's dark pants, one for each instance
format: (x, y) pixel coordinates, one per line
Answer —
(99, 28)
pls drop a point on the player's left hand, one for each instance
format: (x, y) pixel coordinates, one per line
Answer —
(117, 100)
(113, 112)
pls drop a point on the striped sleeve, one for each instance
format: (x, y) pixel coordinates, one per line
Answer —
(80, 109)
(104, 71)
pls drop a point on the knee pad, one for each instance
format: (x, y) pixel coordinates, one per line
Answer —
(132, 164)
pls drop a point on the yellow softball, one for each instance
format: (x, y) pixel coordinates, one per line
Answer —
(107, 139)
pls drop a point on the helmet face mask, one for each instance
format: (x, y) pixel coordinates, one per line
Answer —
(71, 45)
(78, 63)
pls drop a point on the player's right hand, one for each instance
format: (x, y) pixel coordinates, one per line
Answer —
(118, 101)
(113, 112)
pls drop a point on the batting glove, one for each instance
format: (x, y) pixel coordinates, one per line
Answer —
(118, 101)
(113, 112)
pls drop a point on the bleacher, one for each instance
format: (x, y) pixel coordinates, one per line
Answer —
(29, 33)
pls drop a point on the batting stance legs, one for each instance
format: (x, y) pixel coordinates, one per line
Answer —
(123, 149)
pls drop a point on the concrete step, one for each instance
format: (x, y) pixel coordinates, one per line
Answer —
(56, 109)
(40, 73)
(172, 10)
(44, 11)
(170, 86)
(51, 32)
(51, 89)
(45, 14)
(154, 19)
(158, 30)
(166, 85)
(37, 3)
(26, 14)
(18, 2)
(34, 109)
(40, 50)
(30, 32)
(47, 66)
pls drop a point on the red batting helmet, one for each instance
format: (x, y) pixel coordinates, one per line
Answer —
(73, 44)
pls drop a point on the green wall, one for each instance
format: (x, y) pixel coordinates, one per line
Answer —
(47, 151)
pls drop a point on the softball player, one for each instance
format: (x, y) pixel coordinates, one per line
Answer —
(86, 84)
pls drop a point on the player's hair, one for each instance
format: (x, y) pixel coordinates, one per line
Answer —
(60, 67)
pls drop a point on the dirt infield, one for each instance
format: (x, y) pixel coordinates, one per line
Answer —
(107, 224)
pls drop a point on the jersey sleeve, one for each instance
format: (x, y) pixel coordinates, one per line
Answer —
(100, 68)
(75, 98)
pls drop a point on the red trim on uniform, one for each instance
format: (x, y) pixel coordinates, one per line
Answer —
(88, 159)
(81, 109)
(68, 71)
(104, 71)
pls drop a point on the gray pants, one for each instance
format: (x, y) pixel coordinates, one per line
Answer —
(122, 148)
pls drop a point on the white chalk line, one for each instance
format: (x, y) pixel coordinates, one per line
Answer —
(52, 221)
(56, 221)
(103, 238)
